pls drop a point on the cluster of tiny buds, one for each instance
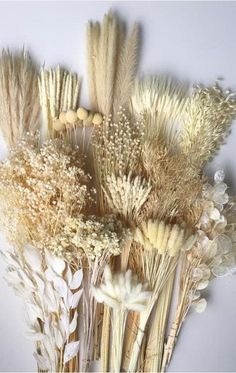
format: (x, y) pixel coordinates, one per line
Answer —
(81, 117)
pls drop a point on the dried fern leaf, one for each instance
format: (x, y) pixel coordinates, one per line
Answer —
(209, 114)
(19, 98)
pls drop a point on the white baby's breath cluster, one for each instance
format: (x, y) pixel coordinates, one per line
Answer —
(39, 189)
(122, 291)
(51, 295)
(88, 237)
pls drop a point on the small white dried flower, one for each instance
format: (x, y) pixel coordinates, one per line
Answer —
(123, 291)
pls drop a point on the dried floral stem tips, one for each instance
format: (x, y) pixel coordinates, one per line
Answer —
(97, 119)
(58, 125)
(82, 113)
(71, 117)
(155, 234)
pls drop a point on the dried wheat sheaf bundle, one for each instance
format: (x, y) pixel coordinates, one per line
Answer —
(111, 205)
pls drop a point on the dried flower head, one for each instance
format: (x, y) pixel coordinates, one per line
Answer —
(122, 291)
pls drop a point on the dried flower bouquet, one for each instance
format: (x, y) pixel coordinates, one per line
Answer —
(112, 222)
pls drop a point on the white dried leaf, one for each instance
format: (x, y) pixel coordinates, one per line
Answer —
(42, 363)
(51, 300)
(74, 300)
(57, 264)
(61, 287)
(76, 279)
(33, 257)
(59, 340)
(73, 323)
(34, 335)
(68, 275)
(71, 350)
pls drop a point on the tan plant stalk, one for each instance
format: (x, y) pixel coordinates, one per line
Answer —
(156, 337)
(19, 97)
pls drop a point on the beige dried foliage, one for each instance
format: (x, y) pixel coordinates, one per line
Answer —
(162, 100)
(126, 195)
(40, 188)
(59, 92)
(209, 114)
(110, 73)
(19, 98)
(116, 150)
(176, 184)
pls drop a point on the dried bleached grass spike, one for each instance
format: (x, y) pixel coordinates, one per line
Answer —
(163, 102)
(126, 195)
(19, 96)
(59, 93)
(155, 234)
(209, 114)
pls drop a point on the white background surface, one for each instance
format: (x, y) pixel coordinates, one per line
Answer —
(195, 41)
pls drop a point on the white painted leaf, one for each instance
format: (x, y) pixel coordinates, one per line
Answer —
(26, 279)
(42, 363)
(51, 300)
(40, 282)
(68, 275)
(34, 336)
(74, 301)
(61, 286)
(71, 350)
(50, 274)
(33, 257)
(73, 323)
(57, 264)
(58, 338)
(77, 279)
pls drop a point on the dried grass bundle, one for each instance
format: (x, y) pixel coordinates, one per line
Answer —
(110, 73)
(19, 98)
(153, 211)
(59, 93)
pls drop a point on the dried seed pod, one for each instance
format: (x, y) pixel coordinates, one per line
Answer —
(97, 119)
(62, 117)
(82, 113)
(71, 116)
(58, 125)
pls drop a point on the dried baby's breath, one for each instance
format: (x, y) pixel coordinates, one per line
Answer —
(39, 189)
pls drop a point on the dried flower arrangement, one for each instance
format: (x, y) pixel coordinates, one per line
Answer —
(111, 219)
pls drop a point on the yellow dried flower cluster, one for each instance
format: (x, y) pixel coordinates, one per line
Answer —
(87, 237)
(39, 189)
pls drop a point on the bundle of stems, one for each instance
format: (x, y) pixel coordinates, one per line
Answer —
(110, 204)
